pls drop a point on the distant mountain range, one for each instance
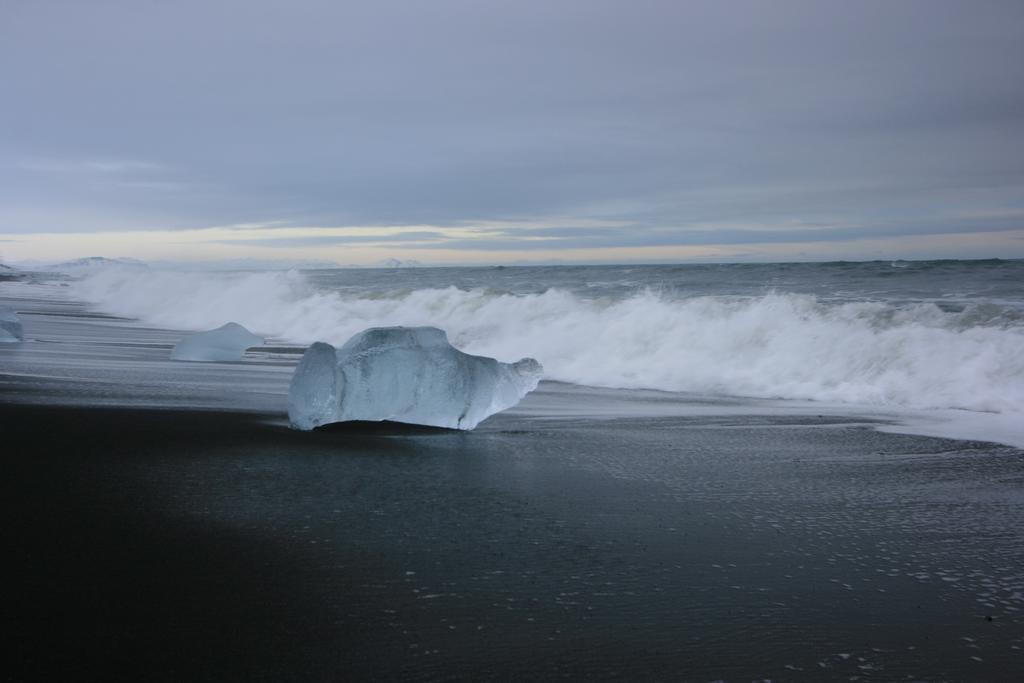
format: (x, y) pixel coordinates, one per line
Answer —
(97, 262)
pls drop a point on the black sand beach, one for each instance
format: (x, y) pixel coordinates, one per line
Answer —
(164, 523)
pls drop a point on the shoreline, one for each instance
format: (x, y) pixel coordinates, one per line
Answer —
(265, 373)
(167, 542)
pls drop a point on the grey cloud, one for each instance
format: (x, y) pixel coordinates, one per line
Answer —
(327, 240)
(397, 113)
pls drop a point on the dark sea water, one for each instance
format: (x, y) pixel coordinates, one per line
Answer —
(923, 281)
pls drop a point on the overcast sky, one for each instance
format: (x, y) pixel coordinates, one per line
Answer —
(488, 131)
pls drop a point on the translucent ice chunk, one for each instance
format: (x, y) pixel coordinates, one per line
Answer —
(10, 326)
(404, 374)
(227, 342)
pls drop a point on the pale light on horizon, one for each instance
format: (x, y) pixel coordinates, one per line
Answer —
(234, 244)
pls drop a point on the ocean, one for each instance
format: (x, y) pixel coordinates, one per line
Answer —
(939, 339)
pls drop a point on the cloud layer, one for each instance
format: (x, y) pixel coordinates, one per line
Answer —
(642, 123)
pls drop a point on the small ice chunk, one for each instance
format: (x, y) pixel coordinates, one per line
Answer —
(10, 327)
(404, 374)
(227, 342)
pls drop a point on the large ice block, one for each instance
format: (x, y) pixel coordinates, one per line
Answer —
(404, 374)
(10, 326)
(227, 342)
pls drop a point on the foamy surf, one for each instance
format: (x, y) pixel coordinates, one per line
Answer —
(775, 345)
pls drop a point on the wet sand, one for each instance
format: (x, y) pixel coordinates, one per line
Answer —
(560, 539)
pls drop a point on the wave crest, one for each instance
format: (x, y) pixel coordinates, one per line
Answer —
(776, 345)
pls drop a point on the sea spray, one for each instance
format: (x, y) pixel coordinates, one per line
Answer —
(774, 344)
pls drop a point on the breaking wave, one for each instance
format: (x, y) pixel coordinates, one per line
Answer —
(776, 345)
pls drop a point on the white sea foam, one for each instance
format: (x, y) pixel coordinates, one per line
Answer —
(776, 345)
